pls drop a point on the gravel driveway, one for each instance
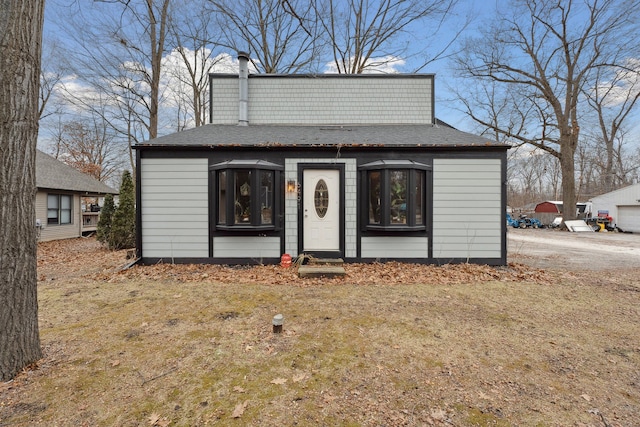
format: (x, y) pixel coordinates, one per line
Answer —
(554, 249)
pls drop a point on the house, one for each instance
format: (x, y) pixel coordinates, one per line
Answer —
(623, 205)
(351, 166)
(59, 199)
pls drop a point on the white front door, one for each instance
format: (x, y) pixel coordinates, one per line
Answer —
(321, 210)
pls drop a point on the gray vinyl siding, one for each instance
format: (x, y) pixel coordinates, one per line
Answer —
(317, 100)
(62, 231)
(256, 247)
(394, 247)
(467, 203)
(175, 215)
(225, 96)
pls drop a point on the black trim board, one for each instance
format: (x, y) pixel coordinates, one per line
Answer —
(139, 206)
(496, 262)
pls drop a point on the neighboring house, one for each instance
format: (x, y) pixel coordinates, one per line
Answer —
(351, 166)
(623, 205)
(59, 206)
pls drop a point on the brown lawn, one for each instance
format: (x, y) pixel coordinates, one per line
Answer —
(389, 345)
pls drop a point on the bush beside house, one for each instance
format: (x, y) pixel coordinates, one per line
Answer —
(117, 226)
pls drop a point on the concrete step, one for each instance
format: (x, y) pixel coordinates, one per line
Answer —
(314, 270)
(326, 261)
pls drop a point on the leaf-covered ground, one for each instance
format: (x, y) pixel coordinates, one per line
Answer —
(388, 345)
(87, 259)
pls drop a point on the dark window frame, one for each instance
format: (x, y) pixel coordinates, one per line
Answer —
(415, 171)
(59, 209)
(255, 216)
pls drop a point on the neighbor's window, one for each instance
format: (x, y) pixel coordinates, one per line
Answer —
(246, 194)
(59, 208)
(394, 195)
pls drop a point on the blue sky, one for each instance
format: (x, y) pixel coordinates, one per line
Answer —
(477, 8)
(445, 101)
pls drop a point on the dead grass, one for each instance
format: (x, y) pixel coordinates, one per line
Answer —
(183, 349)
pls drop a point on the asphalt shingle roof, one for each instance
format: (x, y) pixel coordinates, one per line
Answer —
(55, 175)
(331, 135)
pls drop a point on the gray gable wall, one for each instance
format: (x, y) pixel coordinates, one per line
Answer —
(54, 175)
(325, 99)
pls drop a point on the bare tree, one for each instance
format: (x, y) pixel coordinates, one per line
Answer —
(613, 98)
(51, 75)
(90, 148)
(121, 53)
(611, 164)
(365, 35)
(280, 34)
(117, 64)
(193, 41)
(545, 52)
(20, 49)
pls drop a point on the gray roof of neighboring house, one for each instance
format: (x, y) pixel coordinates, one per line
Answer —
(440, 135)
(55, 175)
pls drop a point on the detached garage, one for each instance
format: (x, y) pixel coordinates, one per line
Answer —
(623, 205)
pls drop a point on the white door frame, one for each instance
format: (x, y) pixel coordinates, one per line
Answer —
(339, 250)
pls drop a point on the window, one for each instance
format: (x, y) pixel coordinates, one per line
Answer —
(59, 208)
(321, 198)
(394, 195)
(246, 194)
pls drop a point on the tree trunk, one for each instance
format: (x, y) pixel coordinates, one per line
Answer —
(608, 172)
(567, 166)
(20, 49)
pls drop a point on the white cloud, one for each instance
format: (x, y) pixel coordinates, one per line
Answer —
(624, 85)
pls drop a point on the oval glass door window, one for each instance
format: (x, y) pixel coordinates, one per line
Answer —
(321, 198)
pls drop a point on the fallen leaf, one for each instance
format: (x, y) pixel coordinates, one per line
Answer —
(586, 397)
(153, 419)
(238, 389)
(439, 415)
(298, 378)
(239, 409)
(279, 381)
(115, 363)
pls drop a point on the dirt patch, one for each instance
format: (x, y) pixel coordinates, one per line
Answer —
(561, 250)
(464, 345)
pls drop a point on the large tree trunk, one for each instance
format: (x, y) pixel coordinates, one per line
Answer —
(567, 166)
(20, 49)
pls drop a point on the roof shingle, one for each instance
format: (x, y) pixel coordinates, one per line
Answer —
(55, 175)
(331, 135)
